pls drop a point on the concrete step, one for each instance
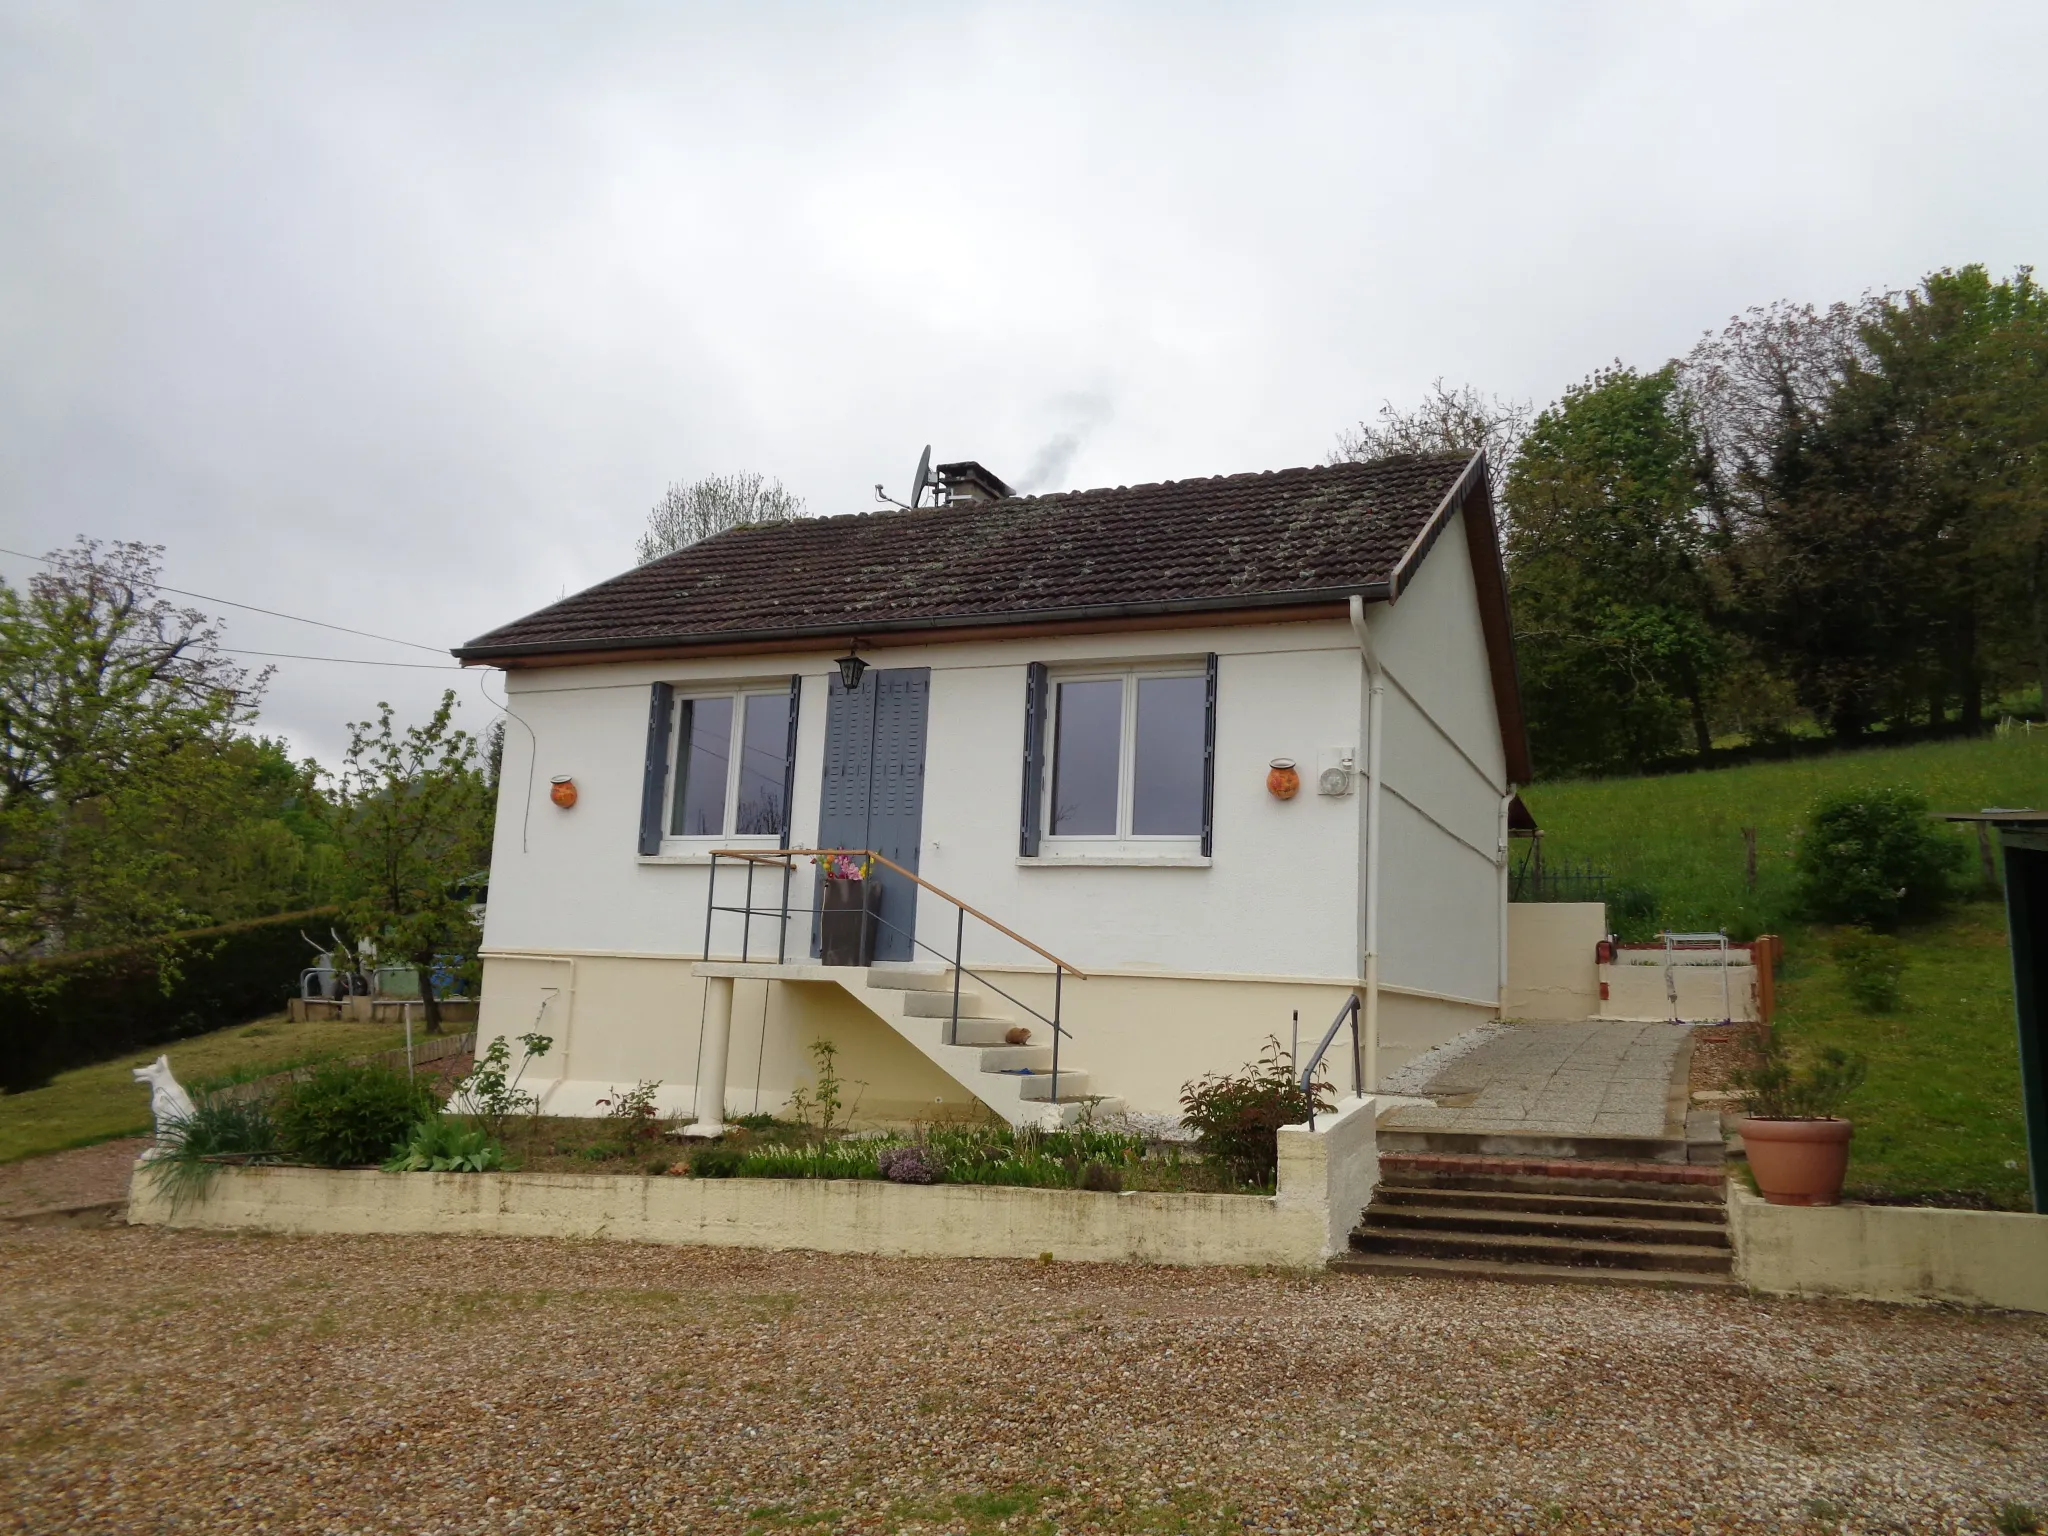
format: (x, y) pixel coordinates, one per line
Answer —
(1537, 1144)
(1393, 1216)
(1528, 1274)
(1015, 1058)
(1545, 1202)
(899, 976)
(939, 1005)
(1520, 1248)
(1037, 1088)
(1557, 1176)
(991, 1032)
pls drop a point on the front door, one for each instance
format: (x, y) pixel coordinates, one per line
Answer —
(874, 788)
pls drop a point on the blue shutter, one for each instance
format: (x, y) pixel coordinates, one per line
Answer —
(1209, 761)
(654, 779)
(796, 699)
(896, 803)
(1035, 695)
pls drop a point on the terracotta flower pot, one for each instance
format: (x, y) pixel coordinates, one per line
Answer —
(1798, 1162)
(1282, 782)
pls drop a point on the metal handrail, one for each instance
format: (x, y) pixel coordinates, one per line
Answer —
(1350, 1011)
(777, 855)
(786, 857)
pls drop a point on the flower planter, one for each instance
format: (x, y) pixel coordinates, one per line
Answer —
(1798, 1162)
(848, 921)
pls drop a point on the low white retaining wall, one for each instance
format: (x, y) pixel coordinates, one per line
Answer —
(1326, 1178)
(1890, 1252)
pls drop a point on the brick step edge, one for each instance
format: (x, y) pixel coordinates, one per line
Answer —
(1552, 1167)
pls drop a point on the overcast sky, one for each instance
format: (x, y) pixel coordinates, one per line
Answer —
(401, 316)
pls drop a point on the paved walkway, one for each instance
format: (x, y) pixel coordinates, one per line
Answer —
(1599, 1078)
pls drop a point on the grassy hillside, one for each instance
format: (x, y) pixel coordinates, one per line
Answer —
(1680, 835)
(1939, 1116)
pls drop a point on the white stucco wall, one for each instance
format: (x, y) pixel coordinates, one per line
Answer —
(1443, 913)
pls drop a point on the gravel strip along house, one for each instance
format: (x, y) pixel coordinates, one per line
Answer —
(1139, 777)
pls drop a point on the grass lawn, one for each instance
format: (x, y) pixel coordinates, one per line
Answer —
(1940, 1113)
(100, 1102)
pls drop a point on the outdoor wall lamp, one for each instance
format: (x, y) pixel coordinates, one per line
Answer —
(562, 790)
(851, 667)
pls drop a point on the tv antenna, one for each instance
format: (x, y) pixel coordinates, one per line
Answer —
(919, 483)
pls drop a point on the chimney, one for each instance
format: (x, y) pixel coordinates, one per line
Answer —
(967, 481)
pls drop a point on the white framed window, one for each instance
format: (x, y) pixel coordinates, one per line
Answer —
(729, 767)
(1126, 761)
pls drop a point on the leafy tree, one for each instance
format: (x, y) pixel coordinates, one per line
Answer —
(412, 812)
(1610, 573)
(689, 514)
(1447, 421)
(130, 805)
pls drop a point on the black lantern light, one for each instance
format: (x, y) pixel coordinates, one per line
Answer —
(851, 667)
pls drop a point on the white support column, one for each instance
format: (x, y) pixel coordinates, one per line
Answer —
(710, 1119)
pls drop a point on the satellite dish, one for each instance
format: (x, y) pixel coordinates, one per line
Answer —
(923, 477)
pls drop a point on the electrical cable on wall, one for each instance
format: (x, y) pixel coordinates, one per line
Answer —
(532, 754)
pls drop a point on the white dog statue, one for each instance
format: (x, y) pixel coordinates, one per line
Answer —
(168, 1102)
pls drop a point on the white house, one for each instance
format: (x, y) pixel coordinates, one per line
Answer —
(1067, 712)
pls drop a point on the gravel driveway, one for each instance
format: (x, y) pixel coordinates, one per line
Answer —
(175, 1381)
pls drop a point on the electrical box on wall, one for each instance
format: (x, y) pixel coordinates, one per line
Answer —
(1336, 767)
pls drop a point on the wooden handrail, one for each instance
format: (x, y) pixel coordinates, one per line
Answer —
(775, 855)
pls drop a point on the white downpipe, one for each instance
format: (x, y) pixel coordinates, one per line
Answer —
(1375, 713)
(1506, 801)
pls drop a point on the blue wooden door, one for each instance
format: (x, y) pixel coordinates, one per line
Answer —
(873, 794)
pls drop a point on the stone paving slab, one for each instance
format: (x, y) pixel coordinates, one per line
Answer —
(1601, 1077)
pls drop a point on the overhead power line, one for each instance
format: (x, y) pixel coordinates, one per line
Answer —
(349, 661)
(296, 618)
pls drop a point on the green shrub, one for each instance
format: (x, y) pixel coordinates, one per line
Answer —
(344, 1116)
(219, 1129)
(72, 1010)
(1773, 1089)
(441, 1145)
(1876, 859)
(1237, 1117)
(724, 1163)
(1872, 966)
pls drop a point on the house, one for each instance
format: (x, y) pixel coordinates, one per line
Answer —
(1064, 719)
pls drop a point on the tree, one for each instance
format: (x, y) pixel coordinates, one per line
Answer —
(412, 814)
(1447, 421)
(689, 514)
(126, 793)
(1609, 570)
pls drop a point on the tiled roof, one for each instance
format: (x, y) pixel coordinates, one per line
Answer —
(1235, 541)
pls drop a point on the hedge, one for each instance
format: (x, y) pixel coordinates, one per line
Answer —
(72, 1010)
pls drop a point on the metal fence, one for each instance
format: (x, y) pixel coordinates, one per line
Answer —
(1537, 880)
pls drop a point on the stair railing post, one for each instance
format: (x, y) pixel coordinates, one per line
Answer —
(710, 895)
(1357, 1067)
(782, 938)
(747, 921)
(1059, 973)
(959, 958)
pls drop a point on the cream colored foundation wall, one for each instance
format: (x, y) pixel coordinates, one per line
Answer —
(1552, 971)
(619, 1020)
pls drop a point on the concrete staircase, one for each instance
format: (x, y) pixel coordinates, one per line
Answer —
(1545, 1218)
(1015, 1081)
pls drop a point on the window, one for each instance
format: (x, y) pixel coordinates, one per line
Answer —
(1123, 760)
(730, 773)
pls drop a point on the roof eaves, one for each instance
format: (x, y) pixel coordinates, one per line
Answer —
(1374, 591)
